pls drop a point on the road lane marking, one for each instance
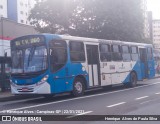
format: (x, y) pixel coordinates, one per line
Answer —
(110, 106)
(157, 93)
(67, 100)
(149, 101)
(84, 113)
(143, 97)
(80, 114)
(145, 102)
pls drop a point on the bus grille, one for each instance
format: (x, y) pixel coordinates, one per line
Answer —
(26, 90)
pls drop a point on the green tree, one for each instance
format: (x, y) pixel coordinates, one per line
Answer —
(103, 19)
(52, 16)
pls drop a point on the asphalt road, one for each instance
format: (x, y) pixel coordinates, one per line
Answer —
(141, 100)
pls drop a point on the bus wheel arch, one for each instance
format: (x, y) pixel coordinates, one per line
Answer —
(133, 79)
(79, 86)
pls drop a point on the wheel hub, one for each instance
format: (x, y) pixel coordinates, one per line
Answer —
(78, 87)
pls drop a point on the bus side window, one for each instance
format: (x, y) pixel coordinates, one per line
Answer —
(58, 55)
(150, 54)
(126, 54)
(116, 53)
(134, 53)
(77, 53)
(105, 52)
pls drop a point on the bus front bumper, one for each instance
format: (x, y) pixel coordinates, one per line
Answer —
(31, 89)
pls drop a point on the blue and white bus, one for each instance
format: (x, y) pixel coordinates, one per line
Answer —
(50, 64)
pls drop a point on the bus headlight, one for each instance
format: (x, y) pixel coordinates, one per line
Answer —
(43, 80)
(11, 83)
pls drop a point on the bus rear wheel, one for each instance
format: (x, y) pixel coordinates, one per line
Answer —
(78, 87)
(133, 80)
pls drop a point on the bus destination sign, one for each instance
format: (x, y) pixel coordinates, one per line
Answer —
(28, 41)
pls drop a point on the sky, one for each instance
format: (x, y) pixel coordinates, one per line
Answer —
(154, 6)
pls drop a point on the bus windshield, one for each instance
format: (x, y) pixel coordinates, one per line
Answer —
(31, 59)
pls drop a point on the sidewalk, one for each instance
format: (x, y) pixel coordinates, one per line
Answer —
(4, 96)
(7, 96)
(157, 76)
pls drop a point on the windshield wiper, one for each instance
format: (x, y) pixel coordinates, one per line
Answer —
(31, 55)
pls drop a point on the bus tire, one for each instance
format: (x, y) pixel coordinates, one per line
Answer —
(78, 87)
(133, 79)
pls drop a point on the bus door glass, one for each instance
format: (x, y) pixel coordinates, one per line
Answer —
(58, 59)
(93, 65)
(151, 69)
(143, 62)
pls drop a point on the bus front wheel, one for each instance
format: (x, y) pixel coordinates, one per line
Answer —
(78, 87)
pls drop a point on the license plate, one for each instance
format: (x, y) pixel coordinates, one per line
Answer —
(25, 89)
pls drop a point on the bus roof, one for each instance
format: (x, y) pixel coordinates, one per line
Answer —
(93, 40)
(75, 38)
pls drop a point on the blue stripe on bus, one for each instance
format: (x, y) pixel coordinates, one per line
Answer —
(29, 81)
(137, 69)
(62, 82)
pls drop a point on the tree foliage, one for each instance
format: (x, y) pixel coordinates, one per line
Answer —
(103, 19)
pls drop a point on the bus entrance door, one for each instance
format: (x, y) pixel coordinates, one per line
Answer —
(143, 62)
(93, 65)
